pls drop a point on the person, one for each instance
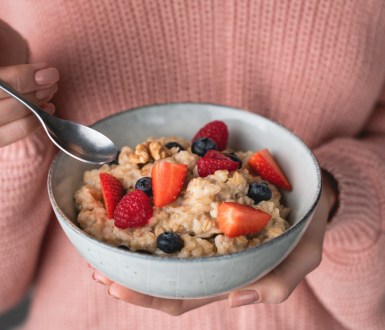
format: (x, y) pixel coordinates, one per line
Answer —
(317, 68)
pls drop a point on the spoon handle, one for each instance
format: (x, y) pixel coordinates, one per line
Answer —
(40, 114)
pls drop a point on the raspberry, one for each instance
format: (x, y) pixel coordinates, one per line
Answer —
(214, 161)
(215, 130)
(134, 210)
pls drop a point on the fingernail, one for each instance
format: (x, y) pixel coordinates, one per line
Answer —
(244, 297)
(44, 94)
(46, 76)
(96, 278)
(111, 293)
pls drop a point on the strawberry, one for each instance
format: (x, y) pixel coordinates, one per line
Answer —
(167, 181)
(213, 161)
(215, 130)
(112, 190)
(134, 210)
(263, 163)
(236, 219)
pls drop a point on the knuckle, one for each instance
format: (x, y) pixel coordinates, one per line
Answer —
(316, 256)
(174, 313)
(277, 292)
(171, 310)
(174, 308)
(20, 77)
(23, 126)
(18, 81)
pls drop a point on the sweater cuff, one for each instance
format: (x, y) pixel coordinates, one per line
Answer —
(356, 223)
(34, 145)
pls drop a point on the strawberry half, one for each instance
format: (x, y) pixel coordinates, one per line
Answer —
(112, 190)
(217, 131)
(236, 219)
(167, 181)
(134, 210)
(213, 161)
(263, 163)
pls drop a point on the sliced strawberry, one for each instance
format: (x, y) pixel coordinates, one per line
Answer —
(217, 131)
(263, 163)
(167, 181)
(112, 190)
(134, 210)
(214, 161)
(236, 219)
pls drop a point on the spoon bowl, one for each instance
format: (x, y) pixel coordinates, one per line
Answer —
(78, 141)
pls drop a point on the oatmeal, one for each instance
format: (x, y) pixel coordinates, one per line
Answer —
(172, 197)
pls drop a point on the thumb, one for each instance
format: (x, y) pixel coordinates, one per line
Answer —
(277, 286)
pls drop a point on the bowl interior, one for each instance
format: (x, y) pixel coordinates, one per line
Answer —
(247, 132)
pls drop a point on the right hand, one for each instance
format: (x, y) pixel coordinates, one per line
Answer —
(37, 83)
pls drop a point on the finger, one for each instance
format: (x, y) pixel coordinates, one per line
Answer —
(11, 109)
(277, 286)
(100, 278)
(19, 129)
(170, 306)
(28, 78)
(45, 94)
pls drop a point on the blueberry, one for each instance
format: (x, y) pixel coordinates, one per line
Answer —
(233, 156)
(173, 144)
(259, 191)
(144, 184)
(169, 242)
(202, 145)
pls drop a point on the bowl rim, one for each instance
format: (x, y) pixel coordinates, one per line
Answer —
(72, 226)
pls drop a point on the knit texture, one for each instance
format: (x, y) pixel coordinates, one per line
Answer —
(317, 67)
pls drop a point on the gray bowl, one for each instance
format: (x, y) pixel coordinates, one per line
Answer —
(195, 277)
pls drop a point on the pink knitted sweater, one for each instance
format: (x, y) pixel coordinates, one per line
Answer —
(316, 67)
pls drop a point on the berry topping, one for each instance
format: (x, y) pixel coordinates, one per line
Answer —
(173, 144)
(236, 219)
(144, 184)
(215, 130)
(167, 181)
(202, 145)
(233, 156)
(112, 191)
(214, 161)
(263, 163)
(259, 191)
(169, 242)
(134, 210)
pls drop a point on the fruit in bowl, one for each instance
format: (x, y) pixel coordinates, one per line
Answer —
(197, 213)
(172, 197)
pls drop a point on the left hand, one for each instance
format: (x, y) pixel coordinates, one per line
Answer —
(273, 288)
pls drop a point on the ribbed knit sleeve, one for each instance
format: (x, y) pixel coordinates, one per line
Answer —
(24, 213)
(351, 274)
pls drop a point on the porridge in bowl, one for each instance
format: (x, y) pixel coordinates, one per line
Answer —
(168, 196)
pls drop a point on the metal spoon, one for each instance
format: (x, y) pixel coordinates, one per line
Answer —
(78, 141)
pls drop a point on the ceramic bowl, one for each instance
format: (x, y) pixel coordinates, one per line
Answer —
(191, 277)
